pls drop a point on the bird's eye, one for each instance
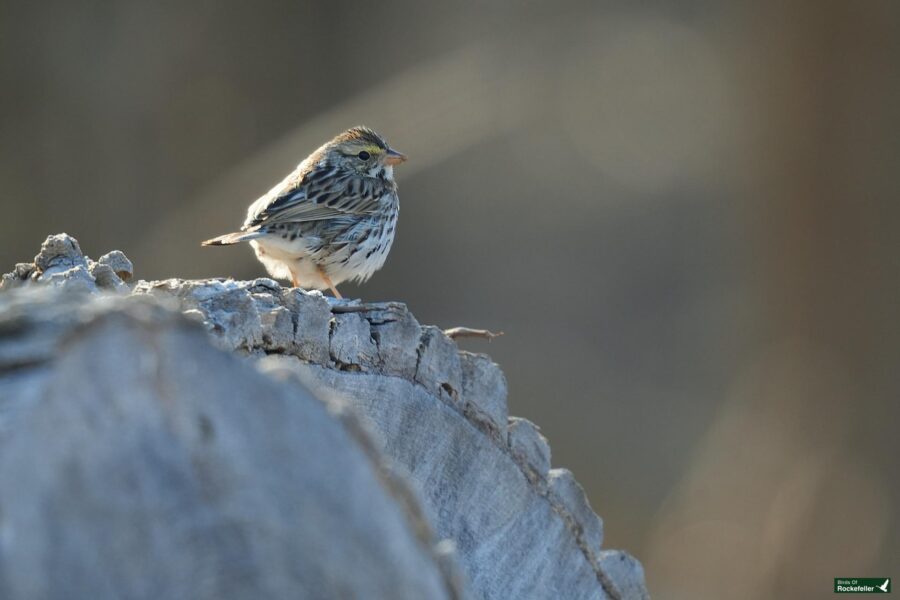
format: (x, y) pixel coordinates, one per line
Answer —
(363, 155)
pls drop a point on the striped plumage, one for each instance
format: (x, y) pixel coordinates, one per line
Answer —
(332, 219)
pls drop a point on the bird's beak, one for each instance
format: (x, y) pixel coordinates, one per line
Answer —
(392, 157)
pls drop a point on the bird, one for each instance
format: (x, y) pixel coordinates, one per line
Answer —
(332, 219)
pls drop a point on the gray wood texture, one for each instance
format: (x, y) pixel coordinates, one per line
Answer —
(225, 439)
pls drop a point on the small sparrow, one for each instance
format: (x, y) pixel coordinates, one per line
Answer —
(332, 219)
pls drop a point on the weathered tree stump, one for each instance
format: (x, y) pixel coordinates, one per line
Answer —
(298, 447)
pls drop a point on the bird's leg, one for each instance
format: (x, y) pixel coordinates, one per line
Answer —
(294, 281)
(330, 285)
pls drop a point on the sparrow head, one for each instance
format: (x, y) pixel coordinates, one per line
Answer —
(362, 150)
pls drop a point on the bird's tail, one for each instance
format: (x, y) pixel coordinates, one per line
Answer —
(232, 238)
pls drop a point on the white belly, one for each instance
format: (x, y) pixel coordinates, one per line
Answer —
(289, 260)
(293, 262)
(356, 254)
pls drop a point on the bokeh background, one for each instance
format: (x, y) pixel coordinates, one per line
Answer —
(684, 215)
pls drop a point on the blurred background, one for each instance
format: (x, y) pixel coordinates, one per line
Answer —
(683, 215)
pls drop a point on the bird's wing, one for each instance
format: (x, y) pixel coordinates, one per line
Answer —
(320, 194)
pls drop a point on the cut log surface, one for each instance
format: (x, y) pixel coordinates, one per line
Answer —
(228, 439)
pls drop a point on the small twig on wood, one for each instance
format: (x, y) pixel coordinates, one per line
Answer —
(460, 332)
